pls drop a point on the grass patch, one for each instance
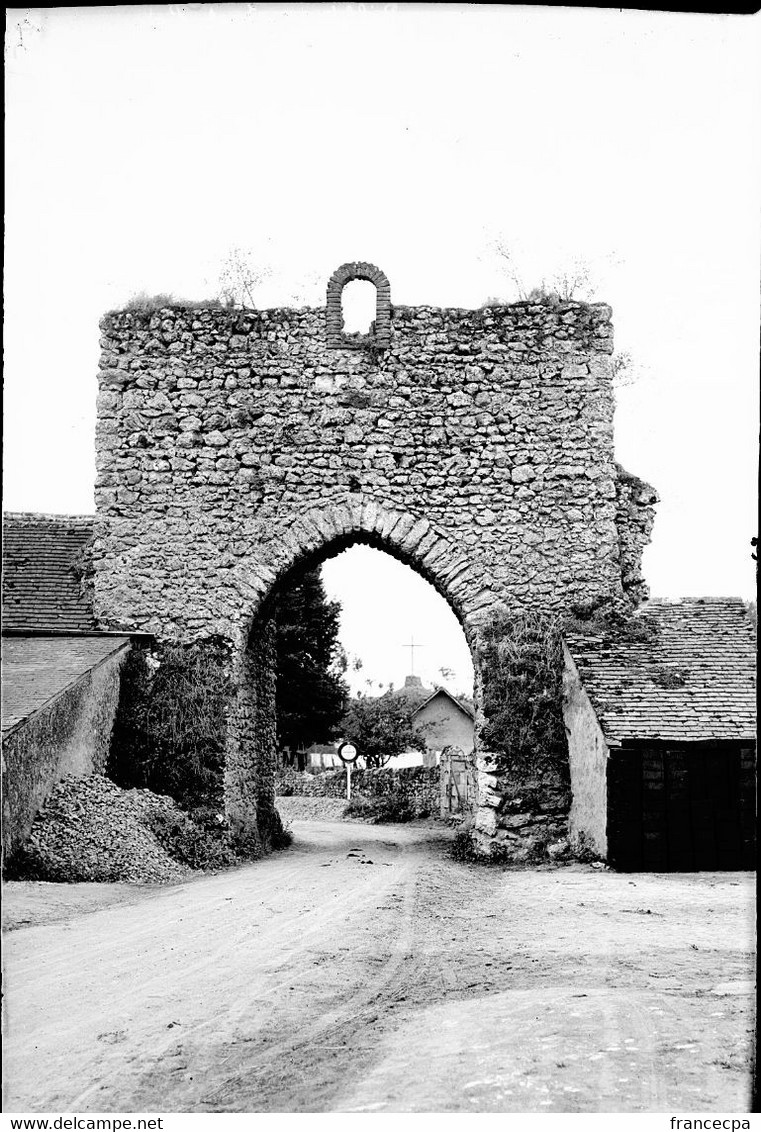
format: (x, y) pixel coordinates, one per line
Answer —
(381, 810)
(274, 833)
(612, 625)
(142, 303)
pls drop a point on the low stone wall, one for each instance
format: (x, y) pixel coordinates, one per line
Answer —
(70, 736)
(532, 819)
(418, 785)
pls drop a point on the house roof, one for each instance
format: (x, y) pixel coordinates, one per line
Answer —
(686, 670)
(36, 670)
(443, 692)
(42, 588)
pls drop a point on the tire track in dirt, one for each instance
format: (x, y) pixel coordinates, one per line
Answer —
(258, 1081)
(202, 1039)
(329, 1054)
(286, 985)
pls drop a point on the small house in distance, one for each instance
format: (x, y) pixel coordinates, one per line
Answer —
(661, 723)
(323, 756)
(446, 722)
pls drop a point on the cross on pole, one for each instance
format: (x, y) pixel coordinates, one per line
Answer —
(412, 647)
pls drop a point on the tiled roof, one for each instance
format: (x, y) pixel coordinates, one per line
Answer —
(37, 669)
(691, 677)
(41, 590)
(464, 708)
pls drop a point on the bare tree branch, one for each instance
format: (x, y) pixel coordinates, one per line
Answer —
(239, 279)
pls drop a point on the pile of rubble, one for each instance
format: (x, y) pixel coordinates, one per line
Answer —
(91, 830)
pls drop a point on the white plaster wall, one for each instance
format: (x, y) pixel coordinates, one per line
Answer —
(70, 735)
(407, 758)
(588, 758)
(444, 725)
(85, 750)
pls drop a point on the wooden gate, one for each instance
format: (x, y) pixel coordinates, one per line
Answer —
(457, 781)
(682, 807)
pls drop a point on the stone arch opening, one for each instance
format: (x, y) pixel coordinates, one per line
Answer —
(359, 300)
(231, 445)
(251, 761)
(379, 335)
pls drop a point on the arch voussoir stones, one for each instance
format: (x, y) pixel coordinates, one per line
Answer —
(410, 541)
(380, 334)
(427, 543)
(198, 526)
(408, 537)
(346, 518)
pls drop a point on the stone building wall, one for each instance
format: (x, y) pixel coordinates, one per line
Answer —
(236, 448)
(217, 429)
(588, 762)
(69, 736)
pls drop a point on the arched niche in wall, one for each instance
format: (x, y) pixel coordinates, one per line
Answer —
(380, 333)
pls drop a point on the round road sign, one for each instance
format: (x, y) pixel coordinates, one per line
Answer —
(348, 753)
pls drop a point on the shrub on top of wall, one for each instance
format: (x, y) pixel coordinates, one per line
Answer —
(169, 732)
(611, 624)
(143, 303)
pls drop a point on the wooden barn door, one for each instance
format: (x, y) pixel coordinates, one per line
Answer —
(681, 807)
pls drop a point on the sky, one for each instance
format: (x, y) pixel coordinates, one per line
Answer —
(144, 144)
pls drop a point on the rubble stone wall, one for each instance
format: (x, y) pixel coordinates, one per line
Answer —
(635, 515)
(236, 447)
(418, 785)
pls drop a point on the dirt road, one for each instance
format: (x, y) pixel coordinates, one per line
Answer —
(362, 970)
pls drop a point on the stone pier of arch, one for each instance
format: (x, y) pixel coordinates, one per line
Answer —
(237, 448)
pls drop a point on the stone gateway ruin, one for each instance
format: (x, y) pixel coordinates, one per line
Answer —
(236, 449)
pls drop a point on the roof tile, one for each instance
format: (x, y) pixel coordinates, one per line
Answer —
(41, 589)
(694, 679)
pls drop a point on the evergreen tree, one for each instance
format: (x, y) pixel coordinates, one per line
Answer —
(311, 692)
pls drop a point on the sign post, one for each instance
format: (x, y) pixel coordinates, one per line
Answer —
(347, 753)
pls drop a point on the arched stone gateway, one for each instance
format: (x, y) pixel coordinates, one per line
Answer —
(236, 448)
(315, 536)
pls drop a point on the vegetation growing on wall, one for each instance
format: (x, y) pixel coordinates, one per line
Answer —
(611, 624)
(83, 569)
(169, 733)
(142, 303)
(521, 657)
